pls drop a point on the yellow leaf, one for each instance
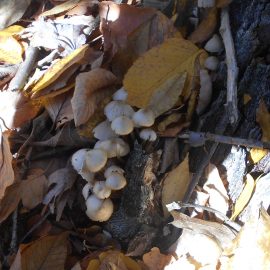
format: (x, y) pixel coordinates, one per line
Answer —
(263, 118)
(244, 196)
(11, 30)
(61, 8)
(175, 185)
(59, 67)
(130, 263)
(93, 265)
(257, 154)
(247, 98)
(173, 57)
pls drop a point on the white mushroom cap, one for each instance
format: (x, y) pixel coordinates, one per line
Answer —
(144, 118)
(116, 181)
(122, 125)
(95, 160)
(87, 176)
(214, 44)
(211, 63)
(85, 190)
(115, 147)
(103, 213)
(117, 108)
(93, 203)
(148, 134)
(77, 159)
(101, 190)
(112, 169)
(120, 94)
(103, 131)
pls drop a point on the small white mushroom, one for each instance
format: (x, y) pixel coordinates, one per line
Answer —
(112, 169)
(122, 125)
(85, 190)
(115, 147)
(87, 176)
(148, 134)
(103, 213)
(205, 91)
(93, 203)
(211, 63)
(116, 181)
(120, 94)
(103, 131)
(101, 190)
(144, 118)
(214, 44)
(77, 159)
(117, 108)
(206, 3)
(95, 160)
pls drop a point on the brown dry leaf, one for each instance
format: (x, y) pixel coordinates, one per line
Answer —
(33, 189)
(206, 28)
(244, 197)
(90, 89)
(11, 11)
(60, 8)
(170, 119)
(10, 200)
(223, 3)
(118, 21)
(56, 70)
(218, 197)
(175, 185)
(6, 169)
(257, 154)
(10, 49)
(46, 253)
(154, 260)
(167, 94)
(147, 74)
(263, 118)
(251, 248)
(59, 108)
(16, 109)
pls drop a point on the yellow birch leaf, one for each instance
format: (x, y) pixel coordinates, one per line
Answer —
(55, 71)
(159, 64)
(175, 185)
(93, 265)
(60, 8)
(244, 197)
(11, 30)
(257, 154)
(263, 118)
(10, 50)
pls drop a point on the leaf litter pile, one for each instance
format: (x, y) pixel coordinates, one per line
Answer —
(119, 146)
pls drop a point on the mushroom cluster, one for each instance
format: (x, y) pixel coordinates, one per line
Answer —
(121, 120)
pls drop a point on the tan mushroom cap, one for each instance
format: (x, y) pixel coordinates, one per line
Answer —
(122, 125)
(116, 181)
(101, 190)
(95, 160)
(144, 118)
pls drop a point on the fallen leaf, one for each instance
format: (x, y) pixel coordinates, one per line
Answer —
(66, 6)
(147, 74)
(11, 11)
(246, 98)
(6, 169)
(244, 197)
(154, 260)
(167, 94)
(33, 189)
(257, 154)
(90, 89)
(175, 185)
(263, 118)
(218, 197)
(46, 253)
(56, 70)
(170, 119)
(250, 249)
(10, 49)
(206, 28)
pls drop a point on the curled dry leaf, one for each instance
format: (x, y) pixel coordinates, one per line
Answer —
(49, 252)
(263, 118)
(147, 74)
(6, 170)
(91, 88)
(175, 185)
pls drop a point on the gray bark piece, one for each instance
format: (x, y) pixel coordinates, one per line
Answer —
(235, 166)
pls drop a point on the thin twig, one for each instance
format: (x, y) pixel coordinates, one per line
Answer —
(232, 69)
(199, 138)
(24, 70)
